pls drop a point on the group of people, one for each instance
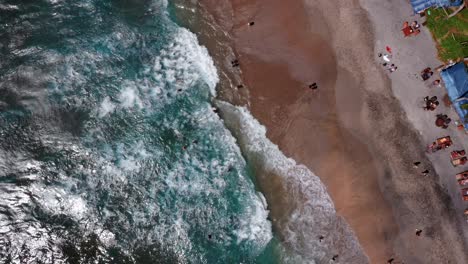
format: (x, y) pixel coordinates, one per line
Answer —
(426, 74)
(434, 147)
(386, 62)
(443, 121)
(424, 172)
(412, 29)
(235, 63)
(415, 25)
(335, 257)
(313, 86)
(431, 103)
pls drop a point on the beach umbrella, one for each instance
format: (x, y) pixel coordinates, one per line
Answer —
(388, 49)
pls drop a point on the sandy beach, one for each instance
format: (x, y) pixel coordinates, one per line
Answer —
(358, 131)
(306, 124)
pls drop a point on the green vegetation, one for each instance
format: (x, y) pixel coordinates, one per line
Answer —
(450, 34)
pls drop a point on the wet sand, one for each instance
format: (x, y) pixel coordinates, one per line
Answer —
(351, 131)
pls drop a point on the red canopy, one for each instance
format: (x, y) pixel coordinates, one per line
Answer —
(407, 31)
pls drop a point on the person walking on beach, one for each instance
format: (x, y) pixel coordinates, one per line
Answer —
(251, 23)
(335, 257)
(418, 232)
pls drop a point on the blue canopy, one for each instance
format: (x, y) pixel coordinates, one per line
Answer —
(456, 83)
(421, 5)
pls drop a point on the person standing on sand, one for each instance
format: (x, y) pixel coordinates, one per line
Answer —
(235, 63)
(426, 74)
(431, 105)
(313, 86)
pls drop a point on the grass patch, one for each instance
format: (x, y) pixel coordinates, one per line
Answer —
(450, 34)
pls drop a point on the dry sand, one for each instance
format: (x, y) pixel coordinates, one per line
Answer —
(352, 131)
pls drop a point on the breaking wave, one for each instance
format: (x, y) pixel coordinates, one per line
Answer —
(110, 149)
(301, 209)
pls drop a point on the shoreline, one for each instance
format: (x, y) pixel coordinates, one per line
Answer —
(306, 125)
(352, 131)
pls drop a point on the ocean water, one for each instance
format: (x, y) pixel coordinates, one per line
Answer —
(110, 149)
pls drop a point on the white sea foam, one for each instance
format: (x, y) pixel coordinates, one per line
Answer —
(26, 52)
(199, 57)
(254, 225)
(310, 211)
(106, 236)
(8, 7)
(129, 98)
(106, 107)
(73, 193)
(181, 64)
(58, 201)
(184, 62)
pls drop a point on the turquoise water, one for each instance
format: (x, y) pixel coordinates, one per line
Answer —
(110, 149)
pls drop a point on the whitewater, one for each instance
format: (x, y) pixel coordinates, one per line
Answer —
(111, 151)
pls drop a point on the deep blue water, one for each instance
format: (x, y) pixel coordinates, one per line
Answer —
(110, 151)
